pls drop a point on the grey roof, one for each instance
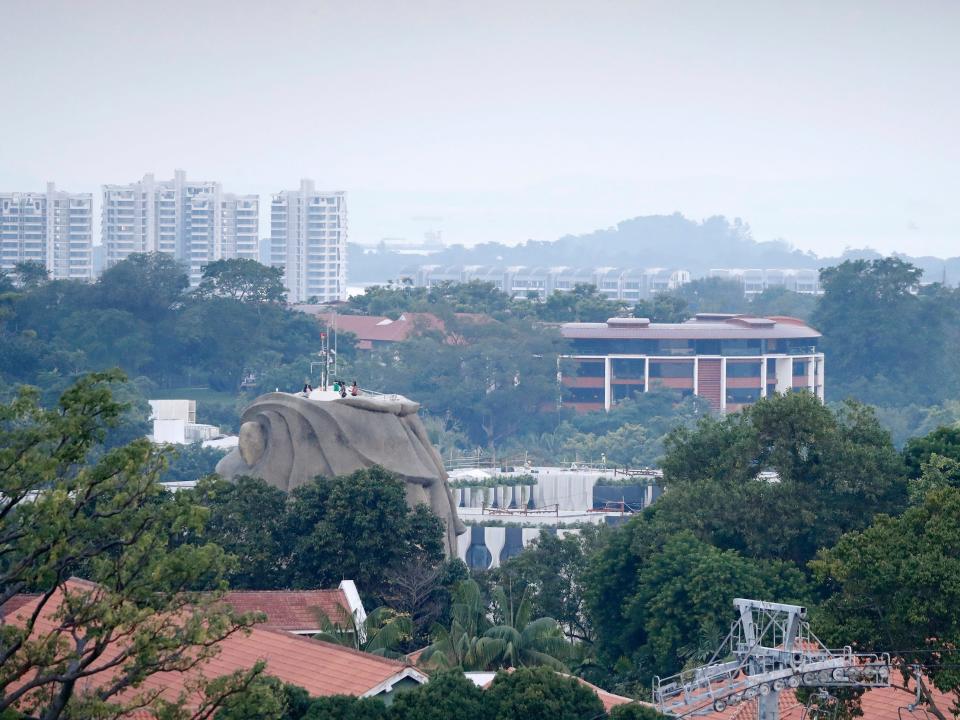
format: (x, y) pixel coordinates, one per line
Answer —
(701, 328)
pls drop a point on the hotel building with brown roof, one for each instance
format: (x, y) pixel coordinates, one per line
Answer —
(729, 360)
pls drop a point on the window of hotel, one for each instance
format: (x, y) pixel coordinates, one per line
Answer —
(674, 347)
(589, 368)
(622, 392)
(743, 369)
(741, 347)
(671, 369)
(739, 396)
(584, 395)
(627, 369)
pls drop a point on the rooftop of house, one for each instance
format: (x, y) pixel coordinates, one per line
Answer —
(299, 611)
(371, 329)
(321, 668)
(703, 326)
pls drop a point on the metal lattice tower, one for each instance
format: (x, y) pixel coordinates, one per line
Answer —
(769, 648)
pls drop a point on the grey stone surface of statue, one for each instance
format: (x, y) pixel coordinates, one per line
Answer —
(287, 440)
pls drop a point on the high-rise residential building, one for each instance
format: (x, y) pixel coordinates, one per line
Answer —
(196, 222)
(308, 240)
(54, 228)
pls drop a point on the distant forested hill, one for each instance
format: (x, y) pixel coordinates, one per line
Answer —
(671, 241)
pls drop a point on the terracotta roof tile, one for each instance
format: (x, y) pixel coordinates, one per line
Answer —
(291, 610)
(375, 328)
(610, 700)
(321, 668)
(15, 603)
(883, 703)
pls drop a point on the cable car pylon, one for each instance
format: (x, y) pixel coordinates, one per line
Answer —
(769, 648)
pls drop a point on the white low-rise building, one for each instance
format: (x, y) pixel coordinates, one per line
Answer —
(504, 513)
(175, 422)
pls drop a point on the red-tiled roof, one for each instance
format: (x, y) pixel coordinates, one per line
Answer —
(610, 700)
(414, 657)
(15, 603)
(291, 610)
(321, 668)
(882, 703)
(375, 328)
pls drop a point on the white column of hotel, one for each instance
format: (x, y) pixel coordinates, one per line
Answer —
(528, 535)
(494, 538)
(463, 542)
(820, 389)
(784, 374)
(811, 373)
(646, 374)
(696, 377)
(606, 383)
(723, 384)
(763, 376)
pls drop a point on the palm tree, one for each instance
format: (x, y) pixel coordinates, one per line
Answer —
(381, 633)
(472, 642)
(462, 645)
(522, 641)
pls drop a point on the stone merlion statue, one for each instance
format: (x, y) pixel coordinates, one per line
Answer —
(288, 440)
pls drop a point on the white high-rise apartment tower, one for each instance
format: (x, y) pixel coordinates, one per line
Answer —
(196, 222)
(308, 239)
(54, 228)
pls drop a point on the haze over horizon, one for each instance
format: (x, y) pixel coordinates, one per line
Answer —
(827, 126)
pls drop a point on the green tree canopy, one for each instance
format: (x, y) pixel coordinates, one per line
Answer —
(71, 507)
(30, 273)
(244, 280)
(145, 284)
(552, 570)
(944, 441)
(447, 695)
(581, 304)
(780, 301)
(886, 342)
(248, 518)
(475, 642)
(835, 468)
(714, 294)
(658, 598)
(357, 526)
(636, 711)
(499, 379)
(540, 694)
(344, 707)
(663, 308)
(896, 588)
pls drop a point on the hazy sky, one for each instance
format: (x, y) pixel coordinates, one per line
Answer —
(828, 124)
